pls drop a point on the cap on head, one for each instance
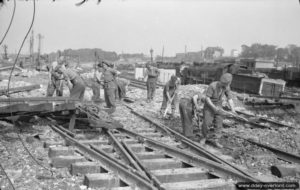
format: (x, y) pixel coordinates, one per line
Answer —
(105, 63)
(226, 78)
(173, 78)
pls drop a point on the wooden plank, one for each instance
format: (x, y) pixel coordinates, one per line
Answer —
(39, 99)
(51, 107)
(14, 108)
(44, 107)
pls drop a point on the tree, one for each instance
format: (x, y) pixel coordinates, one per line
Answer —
(257, 50)
(210, 52)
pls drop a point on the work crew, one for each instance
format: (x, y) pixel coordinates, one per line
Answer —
(109, 84)
(55, 79)
(74, 82)
(213, 112)
(170, 95)
(187, 109)
(122, 87)
(151, 75)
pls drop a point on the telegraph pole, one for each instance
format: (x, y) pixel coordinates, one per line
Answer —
(185, 53)
(38, 64)
(151, 53)
(162, 54)
(5, 52)
(31, 43)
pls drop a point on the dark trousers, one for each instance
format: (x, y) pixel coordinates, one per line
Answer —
(110, 97)
(78, 89)
(96, 90)
(210, 118)
(55, 85)
(186, 115)
(151, 87)
(165, 101)
(120, 91)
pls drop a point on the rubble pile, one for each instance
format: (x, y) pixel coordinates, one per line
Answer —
(284, 139)
(257, 159)
(188, 91)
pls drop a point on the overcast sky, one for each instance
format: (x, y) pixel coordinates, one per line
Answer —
(134, 26)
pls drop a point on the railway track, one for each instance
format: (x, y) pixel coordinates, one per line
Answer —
(143, 158)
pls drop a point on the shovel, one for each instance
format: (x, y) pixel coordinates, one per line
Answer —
(168, 105)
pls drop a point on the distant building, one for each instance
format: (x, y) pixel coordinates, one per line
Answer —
(217, 54)
(189, 56)
(234, 53)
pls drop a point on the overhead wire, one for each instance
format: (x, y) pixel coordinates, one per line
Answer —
(11, 20)
(9, 80)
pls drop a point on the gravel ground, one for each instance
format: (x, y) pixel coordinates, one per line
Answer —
(26, 174)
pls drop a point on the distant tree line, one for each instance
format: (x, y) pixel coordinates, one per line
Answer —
(290, 53)
(86, 55)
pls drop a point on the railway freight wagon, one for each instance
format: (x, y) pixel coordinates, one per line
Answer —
(205, 73)
(257, 85)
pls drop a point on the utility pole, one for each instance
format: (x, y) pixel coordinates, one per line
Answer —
(151, 53)
(202, 53)
(5, 52)
(185, 53)
(38, 64)
(31, 43)
(162, 54)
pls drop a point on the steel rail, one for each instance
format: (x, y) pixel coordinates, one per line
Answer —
(198, 149)
(222, 170)
(147, 172)
(275, 97)
(109, 162)
(127, 156)
(265, 119)
(293, 158)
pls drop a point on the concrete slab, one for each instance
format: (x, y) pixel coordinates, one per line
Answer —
(150, 155)
(99, 180)
(47, 144)
(85, 168)
(180, 174)
(137, 147)
(119, 188)
(151, 135)
(94, 142)
(106, 148)
(216, 184)
(130, 141)
(145, 130)
(162, 163)
(66, 161)
(60, 151)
